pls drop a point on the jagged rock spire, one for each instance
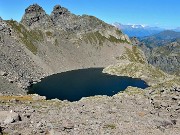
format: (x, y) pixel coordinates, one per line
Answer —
(61, 16)
(60, 10)
(34, 8)
(35, 16)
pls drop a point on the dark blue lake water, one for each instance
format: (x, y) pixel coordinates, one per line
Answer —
(73, 85)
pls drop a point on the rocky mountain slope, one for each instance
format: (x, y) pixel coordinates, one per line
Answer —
(134, 64)
(166, 56)
(153, 111)
(43, 44)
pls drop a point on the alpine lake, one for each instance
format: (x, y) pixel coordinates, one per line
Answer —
(75, 84)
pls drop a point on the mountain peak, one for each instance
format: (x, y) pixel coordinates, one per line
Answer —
(61, 18)
(58, 14)
(34, 8)
(35, 16)
(60, 10)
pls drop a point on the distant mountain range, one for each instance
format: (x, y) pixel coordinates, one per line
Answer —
(161, 39)
(138, 30)
(167, 35)
(177, 29)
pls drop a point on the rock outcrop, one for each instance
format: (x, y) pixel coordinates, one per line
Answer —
(4, 29)
(166, 58)
(62, 18)
(35, 17)
(7, 117)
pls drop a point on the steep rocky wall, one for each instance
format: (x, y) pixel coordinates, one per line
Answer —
(165, 57)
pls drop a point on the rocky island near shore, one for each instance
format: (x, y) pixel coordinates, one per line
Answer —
(41, 45)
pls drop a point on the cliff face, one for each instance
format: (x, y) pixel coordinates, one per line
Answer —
(165, 57)
(43, 44)
(35, 16)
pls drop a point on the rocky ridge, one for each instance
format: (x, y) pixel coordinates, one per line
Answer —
(35, 16)
(167, 58)
(62, 19)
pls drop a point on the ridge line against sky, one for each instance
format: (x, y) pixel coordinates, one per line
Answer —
(161, 13)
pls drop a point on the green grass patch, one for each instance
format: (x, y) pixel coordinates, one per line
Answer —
(134, 55)
(56, 42)
(97, 38)
(48, 33)
(111, 126)
(115, 40)
(119, 32)
(94, 38)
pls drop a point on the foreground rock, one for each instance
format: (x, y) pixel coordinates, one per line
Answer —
(134, 111)
(7, 117)
(8, 88)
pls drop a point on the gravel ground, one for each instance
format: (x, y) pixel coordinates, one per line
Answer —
(133, 112)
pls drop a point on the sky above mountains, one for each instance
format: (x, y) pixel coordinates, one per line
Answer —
(161, 13)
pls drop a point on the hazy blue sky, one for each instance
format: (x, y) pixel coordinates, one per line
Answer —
(163, 13)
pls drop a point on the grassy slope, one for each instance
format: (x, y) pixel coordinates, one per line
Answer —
(97, 38)
(28, 37)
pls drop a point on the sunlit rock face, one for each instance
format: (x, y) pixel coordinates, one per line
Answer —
(35, 16)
